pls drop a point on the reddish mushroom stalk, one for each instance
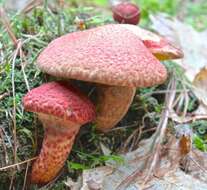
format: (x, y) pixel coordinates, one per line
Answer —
(62, 109)
(58, 140)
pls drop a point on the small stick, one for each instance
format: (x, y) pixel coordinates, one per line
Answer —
(31, 5)
(14, 101)
(11, 182)
(25, 176)
(23, 65)
(7, 25)
(4, 146)
(17, 164)
(3, 95)
(163, 92)
(156, 144)
(161, 130)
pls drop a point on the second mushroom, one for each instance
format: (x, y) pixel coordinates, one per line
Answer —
(62, 109)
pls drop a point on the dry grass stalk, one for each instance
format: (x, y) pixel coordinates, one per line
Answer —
(17, 164)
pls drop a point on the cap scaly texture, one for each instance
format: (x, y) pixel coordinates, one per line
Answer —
(108, 54)
(61, 100)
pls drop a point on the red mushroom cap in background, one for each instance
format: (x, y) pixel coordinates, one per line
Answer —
(127, 13)
(159, 46)
(62, 100)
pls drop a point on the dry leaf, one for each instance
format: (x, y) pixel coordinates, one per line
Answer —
(168, 173)
(93, 178)
(176, 180)
(73, 185)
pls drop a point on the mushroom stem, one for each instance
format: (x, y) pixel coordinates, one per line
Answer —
(113, 103)
(57, 143)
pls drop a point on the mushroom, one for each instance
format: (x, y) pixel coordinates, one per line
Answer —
(112, 56)
(62, 109)
(126, 12)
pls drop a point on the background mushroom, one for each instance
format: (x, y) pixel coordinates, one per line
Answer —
(112, 55)
(62, 109)
(126, 12)
(160, 47)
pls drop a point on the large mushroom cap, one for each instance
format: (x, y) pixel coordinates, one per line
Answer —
(108, 54)
(61, 100)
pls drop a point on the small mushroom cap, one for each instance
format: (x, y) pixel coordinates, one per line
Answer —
(126, 13)
(109, 54)
(62, 100)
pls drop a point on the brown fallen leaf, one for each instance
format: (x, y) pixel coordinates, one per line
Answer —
(93, 178)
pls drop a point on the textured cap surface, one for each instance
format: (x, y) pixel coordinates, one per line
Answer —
(108, 54)
(61, 100)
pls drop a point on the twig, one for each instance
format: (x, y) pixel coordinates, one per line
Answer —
(195, 162)
(186, 101)
(22, 66)
(25, 176)
(17, 164)
(124, 127)
(136, 138)
(128, 141)
(151, 162)
(14, 102)
(7, 25)
(4, 146)
(31, 5)
(3, 95)
(12, 181)
(156, 145)
(134, 175)
(163, 92)
(187, 119)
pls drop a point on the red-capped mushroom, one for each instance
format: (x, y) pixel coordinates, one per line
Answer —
(62, 109)
(112, 56)
(126, 13)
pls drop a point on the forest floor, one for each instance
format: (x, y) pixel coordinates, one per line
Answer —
(22, 37)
